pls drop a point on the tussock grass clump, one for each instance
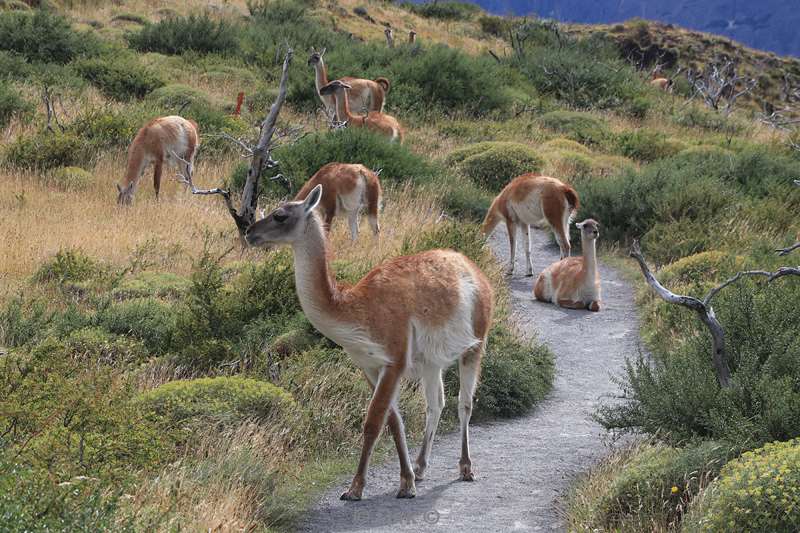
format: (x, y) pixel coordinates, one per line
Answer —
(194, 33)
(71, 178)
(580, 127)
(644, 145)
(148, 319)
(494, 164)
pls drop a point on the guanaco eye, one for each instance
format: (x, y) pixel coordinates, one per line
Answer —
(280, 217)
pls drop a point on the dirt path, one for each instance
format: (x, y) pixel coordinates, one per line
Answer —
(522, 466)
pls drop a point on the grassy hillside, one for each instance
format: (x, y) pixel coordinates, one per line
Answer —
(127, 333)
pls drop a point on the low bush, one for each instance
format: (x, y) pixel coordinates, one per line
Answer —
(463, 199)
(68, 265)
(443, 10)
(95, 345)
(46, 150)
(497, 26)
(71, 178)
(699, 117)
(42, 35)
(14, 66)
(301, 160)
(220, 399)
(12, 105)
(148, 283)
(195, 33)
(760, 491)
(104, 128)
(120, 77)
(148, 319)
(494, 164)
(177, 96)
(580, 127)
(647, 146)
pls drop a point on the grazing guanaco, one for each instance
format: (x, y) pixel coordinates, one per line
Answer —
(346, 189)
(665, 84)
(379, 122)
(574, 282)
(533, 200)
(389, 37)
(412, 37)
(158, 142)
(414, 315)
(365, 95)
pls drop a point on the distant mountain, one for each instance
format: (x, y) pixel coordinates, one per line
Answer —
(766, 24)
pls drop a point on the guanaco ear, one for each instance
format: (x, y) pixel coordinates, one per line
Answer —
(323, 52)
(579, 225)
(119, 189)
(313, 198)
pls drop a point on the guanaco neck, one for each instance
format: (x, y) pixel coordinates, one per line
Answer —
(321, 72)
(136, 162)
(589, 255)
(343, 109)
(316, 285)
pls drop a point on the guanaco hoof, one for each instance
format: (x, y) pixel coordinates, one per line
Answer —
(466, 473)
(419, 473)
(408, 492)
(350, 496)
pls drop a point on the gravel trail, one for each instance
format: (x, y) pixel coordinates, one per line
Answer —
(525, 465)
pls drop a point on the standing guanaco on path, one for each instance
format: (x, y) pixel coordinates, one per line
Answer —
(533, 200)
(364, 96)
(574, 282)
(379, 122)
(346, 189)
(158, 142)
(414, 315)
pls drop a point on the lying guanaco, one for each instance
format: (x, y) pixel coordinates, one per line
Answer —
(574, 282)
(159, 142)
(379, 122)
(415, 314)
(533, 200)
(346, 189)
(364, 96)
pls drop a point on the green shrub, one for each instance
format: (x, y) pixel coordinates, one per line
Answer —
(699, 117)
(148, 319)
(13, 66)
(120, 77)
(12, 104)
(148, 283)
(176, 96)
(443, 10)
(676, 394)
(585, 74)
(68, 265)
(47, 150)
(96, 345)
(106, 128)
(71, 178)
(195, 33)
(221, 399)
(646, 145)
(461, 237)
(464, 199)
(494, 164)
(301, 160)
(497, 26)
(581, 127)
(760, 491)
(43, 36)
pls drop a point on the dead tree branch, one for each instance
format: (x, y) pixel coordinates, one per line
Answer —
(720, 85)
(704, 309)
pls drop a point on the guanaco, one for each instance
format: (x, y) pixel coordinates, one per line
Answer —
(346, 189)
(365, 95)
(379, 122)
(413, 315)
(412, 37)
(533, 200)
(665, 84)
(389, 37)
(574, 282)
(158, 142)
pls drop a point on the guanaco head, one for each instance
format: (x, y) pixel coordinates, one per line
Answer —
(590, 228)
(125, 194)
(285, 225)
(315, 57)
(333, 87)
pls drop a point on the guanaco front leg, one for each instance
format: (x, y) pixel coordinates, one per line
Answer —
(512, 244)
(528, 264)
(377, 414)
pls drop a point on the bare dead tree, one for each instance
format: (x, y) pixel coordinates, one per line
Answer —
(704, 309)
(720, 85)
(260, 160)
(49, 99)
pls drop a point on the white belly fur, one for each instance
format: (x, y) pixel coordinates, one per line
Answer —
(528, 212)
